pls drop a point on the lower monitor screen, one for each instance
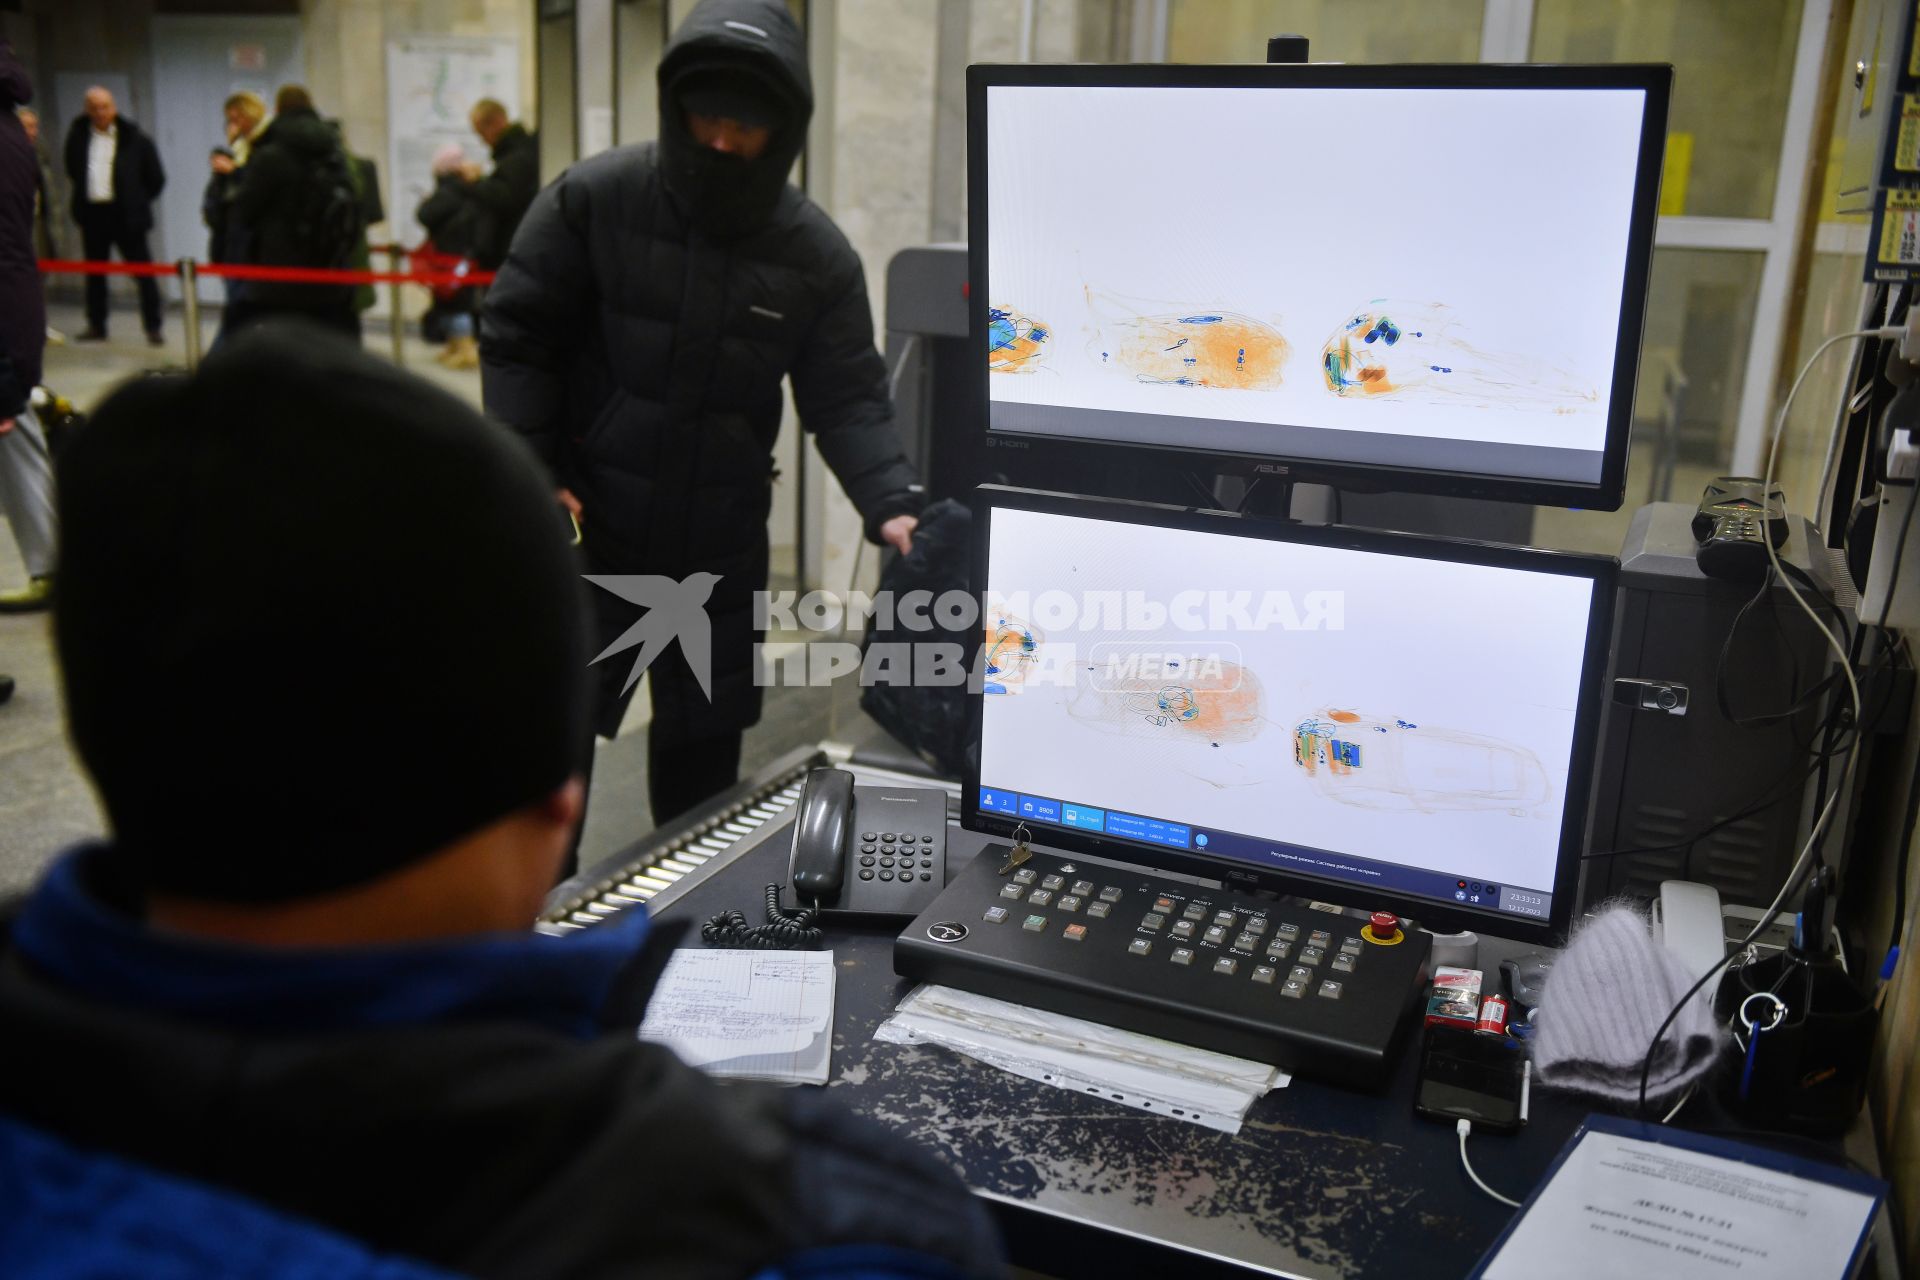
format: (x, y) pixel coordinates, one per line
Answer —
(1374, 712)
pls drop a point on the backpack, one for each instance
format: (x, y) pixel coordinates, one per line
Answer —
(329, 223)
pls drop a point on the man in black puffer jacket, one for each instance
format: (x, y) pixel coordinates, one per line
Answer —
(637, 335)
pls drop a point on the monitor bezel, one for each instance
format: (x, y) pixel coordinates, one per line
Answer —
(1025, 458)
(1601, 571)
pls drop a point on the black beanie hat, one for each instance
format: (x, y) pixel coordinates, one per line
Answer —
(317, 618)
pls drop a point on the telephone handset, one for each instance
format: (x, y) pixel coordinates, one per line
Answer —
(820, 835)
(860, 850)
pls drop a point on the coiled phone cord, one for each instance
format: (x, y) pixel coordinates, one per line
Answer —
(784, 930)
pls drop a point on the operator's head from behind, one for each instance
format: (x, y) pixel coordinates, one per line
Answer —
(735, 99)
(323, 648)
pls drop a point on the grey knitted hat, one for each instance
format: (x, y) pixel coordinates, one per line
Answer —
(1606, 997)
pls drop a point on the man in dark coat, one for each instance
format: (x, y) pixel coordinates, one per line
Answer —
(114, 171)
(304, 971)
(292, 166)
(637, 336)
(26, 471)
(503, 195)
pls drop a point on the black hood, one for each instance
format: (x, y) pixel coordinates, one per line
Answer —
(301, 130)
(725, 196)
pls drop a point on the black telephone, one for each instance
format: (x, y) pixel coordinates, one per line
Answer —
(876, 851)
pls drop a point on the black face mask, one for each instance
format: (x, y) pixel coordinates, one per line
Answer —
(724, 196)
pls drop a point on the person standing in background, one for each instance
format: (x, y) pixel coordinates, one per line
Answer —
(296, 207)
(452, 223)
(46, 240)
(26, 469)
(246, 116)
(115, 174)
(365, 175)
(497, 201)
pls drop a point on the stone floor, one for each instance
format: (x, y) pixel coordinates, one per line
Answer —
(46, 802)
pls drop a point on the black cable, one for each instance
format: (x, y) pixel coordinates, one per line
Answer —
(783, 931)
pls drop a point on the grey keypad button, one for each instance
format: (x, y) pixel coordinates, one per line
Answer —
(995, 915)
(1083, 887)
(869, 848)
(1261, 973)
(866, 860)
(1350, 946)
(1223, 918)
(865, 874)
(1068, 902)
(907, 839)
(887, 835)
(1183, 928)
(924, 875)
(1215, 933)
(1343, 963)
(1195, 912)
(868, 835)
(1152, 920)
(1182, 955)
(1099, 910)
(1312, 955)
(1034, 924)
(1040, 897)
(926, 862)
(1301, 975)
(1053, 882)
(1110, 894)
(1246, 941)
(1320, 938)
(1330, 989)
(1287, 929)
(1074, 932)
(1293, 988)
(1011, 890)
(886, 848)
(1257, 925)
(1226, 965)
(1277, 950)
(1025, 875)
(886, 861)
(885, 874)
(1140, 946)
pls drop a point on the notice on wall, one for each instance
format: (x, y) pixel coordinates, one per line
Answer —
(432, 84)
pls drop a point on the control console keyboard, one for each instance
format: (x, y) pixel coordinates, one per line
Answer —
(1315, 993)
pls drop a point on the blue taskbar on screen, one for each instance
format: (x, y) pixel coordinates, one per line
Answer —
(1389, 877)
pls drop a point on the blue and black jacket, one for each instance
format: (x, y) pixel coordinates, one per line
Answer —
(480, 1105)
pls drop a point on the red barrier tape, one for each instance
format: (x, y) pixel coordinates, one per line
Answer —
(285, 275)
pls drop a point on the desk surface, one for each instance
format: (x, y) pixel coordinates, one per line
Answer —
(1319, 1181)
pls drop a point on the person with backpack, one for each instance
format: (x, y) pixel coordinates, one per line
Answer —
(296, 206)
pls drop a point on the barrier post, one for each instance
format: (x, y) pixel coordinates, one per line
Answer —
(190, 306)
(396, 321)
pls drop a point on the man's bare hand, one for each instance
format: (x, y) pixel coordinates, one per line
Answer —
(223, 164)
(898, 533)
(568, 501)
(472, 171)
(6, 425)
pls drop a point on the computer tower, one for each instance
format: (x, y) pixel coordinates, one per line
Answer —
(1672, 763)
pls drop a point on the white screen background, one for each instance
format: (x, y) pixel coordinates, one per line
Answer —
(1450, 647)
(1298, 207)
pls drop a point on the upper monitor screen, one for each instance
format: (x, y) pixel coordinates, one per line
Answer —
(1432, 277)
(1398, 721)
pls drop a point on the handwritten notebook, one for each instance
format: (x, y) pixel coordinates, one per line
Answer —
(756, 1015)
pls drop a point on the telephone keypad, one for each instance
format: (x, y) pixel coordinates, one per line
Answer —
(865, 874)
(885, 874)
